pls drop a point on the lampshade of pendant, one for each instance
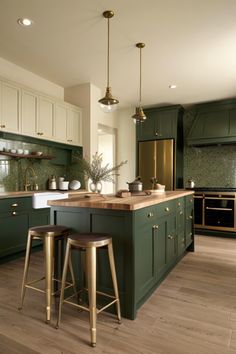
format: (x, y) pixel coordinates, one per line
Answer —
(108, 103)
(139, 115)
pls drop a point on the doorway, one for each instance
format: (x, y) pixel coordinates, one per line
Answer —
(107, 137)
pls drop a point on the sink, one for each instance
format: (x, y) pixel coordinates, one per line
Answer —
(40, 199)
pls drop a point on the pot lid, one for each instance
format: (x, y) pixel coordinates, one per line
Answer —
(136, 181)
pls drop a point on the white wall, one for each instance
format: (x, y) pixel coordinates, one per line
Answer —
(126, 148)
(24, 77)
(87, 96)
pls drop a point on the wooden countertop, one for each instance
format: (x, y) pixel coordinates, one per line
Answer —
(19, 194)
(114, 203)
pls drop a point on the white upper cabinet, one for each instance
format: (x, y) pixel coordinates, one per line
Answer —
(29, 112)
(74, 126)
(10, 107)
(60, 120)
(45, 118)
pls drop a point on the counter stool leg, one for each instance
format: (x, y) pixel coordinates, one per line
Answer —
(114, 280)
(63, 282)
(91, 278)
(26, 268)
(49, 256)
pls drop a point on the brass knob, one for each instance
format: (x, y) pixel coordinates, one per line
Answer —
(181, 213)
(156, 133)
(155, 227)
(179, 203)
(191, 200)
(190, 217)
(14, 205)
(170, 237)
(167, 209)
(40, 133)
(14, 213)
(150, 215)
(3, 126)
(70, 140)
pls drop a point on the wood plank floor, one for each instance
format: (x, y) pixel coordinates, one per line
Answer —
(192, 312)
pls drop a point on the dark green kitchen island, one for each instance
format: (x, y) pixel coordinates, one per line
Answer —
(150, 235)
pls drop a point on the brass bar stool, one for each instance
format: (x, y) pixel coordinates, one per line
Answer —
(48, 234)
(89, 243)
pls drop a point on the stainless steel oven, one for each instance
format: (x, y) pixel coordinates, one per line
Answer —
(215, 210)
(219, 210)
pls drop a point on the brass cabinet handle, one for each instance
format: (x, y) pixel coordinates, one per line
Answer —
(155, 227)
(191, 200)
(179, 203)
(156, 133)
(2, 126)
(70, 140)
(170, 237)
(190, 217)
(14, 205)
(14, 213)
(181, 213)
(150, 215)
(167, 209)
(40, 133)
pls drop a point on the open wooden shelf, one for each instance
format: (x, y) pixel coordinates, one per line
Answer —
(28, 156)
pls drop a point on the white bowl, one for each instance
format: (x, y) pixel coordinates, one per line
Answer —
(74, 185)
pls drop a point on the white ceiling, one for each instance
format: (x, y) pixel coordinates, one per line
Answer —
(191, 43)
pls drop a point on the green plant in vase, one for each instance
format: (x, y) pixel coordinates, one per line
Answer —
(96, 172)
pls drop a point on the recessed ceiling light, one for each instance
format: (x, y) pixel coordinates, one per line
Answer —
(25, 21)
(172, 86)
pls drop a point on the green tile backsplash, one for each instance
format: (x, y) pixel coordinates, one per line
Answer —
(12, 170)
(209, 166)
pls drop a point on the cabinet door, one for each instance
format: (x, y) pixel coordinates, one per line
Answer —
(74, 126)
(166, 124)
(60, 122)
(10, 107)
(29, 104)
(45, 118)
(181, 225)
(171, 240)
(145, 240)
(14, 231)
(146, 130)
(161, 251)
(189, 226)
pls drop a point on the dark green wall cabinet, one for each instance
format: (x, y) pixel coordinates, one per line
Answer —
(165, 123)
(215, 123)
(147, 244)
(16, 216)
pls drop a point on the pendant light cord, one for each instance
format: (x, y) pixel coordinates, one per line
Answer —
(108, 51)
(140, 87)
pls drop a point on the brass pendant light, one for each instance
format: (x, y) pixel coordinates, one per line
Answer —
(139, 116)
(108, 103)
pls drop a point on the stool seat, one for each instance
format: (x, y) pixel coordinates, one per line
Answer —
(48, 230)
(89, 240)
(89, 243)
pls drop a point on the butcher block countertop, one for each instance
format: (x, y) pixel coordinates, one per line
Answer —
(19, 194)
(135, 202)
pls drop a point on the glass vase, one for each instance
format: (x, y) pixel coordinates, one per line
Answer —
(95, 187)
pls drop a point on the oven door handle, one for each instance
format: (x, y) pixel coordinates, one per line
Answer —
(223, 209)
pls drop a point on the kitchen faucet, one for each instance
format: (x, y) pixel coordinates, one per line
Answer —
(27, 184)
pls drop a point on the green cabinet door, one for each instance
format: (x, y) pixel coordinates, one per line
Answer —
(160, 249)
(161, 123)
(189, 226)
(171, 240)
(181, 225)
(14, 229)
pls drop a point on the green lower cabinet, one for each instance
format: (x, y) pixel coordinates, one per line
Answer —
(14, 229)
(16, 216)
